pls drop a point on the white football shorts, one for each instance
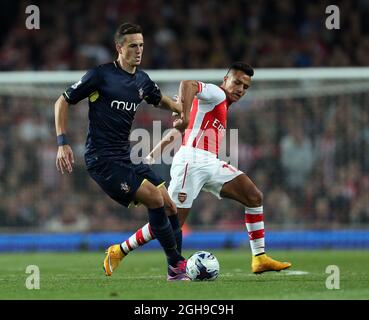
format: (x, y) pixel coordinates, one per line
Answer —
(194, 170)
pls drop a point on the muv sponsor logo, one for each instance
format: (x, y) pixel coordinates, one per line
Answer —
(124, 105)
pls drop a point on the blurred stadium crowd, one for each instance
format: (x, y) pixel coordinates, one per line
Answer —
(75, 35)
(310, 157)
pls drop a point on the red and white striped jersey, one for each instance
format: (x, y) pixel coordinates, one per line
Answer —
(208, 119)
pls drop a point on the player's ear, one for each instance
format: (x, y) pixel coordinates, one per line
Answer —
(225, 79)
(118, 47)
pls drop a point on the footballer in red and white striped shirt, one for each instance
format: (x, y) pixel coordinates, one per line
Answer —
(196, 166)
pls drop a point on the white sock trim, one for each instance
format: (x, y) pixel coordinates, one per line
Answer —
(146, 232)
(256, 210)
(255, 226)
(257, 246)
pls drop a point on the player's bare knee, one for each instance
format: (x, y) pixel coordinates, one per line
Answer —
(254, 198)
(156, 200)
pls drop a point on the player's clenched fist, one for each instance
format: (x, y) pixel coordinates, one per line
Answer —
(64, 159)
(180, 123)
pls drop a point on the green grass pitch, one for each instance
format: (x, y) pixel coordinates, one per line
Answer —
(142, 276)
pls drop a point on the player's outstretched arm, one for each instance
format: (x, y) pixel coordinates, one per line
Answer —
(64, 157)
(168, 139)
(171, 104)
(187, 91)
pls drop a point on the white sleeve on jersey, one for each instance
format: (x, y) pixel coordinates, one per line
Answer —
(210, 92)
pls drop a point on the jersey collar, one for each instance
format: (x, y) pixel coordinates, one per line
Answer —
(117, 65)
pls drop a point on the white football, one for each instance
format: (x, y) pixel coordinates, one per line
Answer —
(202, 266)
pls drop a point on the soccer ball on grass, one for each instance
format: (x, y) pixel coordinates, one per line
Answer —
(202, 266)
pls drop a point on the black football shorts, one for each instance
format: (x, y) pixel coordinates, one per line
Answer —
(121, 179)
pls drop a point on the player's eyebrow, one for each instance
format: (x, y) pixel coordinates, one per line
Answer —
(133, 44)
(245, 84)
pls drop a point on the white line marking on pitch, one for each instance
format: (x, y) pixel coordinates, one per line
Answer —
(294, 272)
(150, 277)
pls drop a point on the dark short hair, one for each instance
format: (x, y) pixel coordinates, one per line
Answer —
(244, 67)
(126, 28)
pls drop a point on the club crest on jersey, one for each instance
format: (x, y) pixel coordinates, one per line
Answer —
(141, 93)
(125, 187)
(182, 197)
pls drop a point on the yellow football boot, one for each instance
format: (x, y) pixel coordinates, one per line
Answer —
(263, 263)
(113, 257)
